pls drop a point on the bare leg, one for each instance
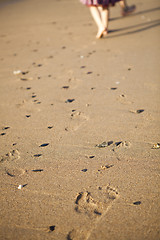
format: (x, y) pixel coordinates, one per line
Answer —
(97, 18)
(100, 16)
(104, 12)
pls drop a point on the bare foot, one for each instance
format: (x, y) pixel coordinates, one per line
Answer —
(101, 33)
(105, 32)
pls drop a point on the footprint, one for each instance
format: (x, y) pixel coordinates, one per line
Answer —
(87, 205)
(11, 156)
(15, 172)
(77, 119)
(104, 167)
(115, 145)
(73, 82)
(77, 235)
(97, 204)
(123, 99)
(104, 144)
(121, 144)
(94, 207)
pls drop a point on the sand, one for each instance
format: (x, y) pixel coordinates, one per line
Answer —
(79, 123)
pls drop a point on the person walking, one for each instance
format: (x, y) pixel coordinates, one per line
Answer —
(100, 12)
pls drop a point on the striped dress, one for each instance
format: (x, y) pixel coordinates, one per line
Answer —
(104, 3)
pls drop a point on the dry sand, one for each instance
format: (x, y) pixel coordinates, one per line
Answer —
(71, 188)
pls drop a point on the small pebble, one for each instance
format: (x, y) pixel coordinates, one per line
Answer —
(113, 88)
(84, 170)
(2, 134)
(16, 72)
(37, 170)
(137, 203)
(140, 110)
(65, 87)
(37, 155)
(44, 145)
(69, 100)
(52, 228)
(5, 128)
(50, 127)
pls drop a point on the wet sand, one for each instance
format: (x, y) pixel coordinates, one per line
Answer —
(79, 123)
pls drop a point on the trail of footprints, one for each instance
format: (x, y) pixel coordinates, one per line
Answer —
(93, 205)
(11, 156)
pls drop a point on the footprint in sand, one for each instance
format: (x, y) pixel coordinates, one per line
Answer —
(15, 172)
(105, 167)
(114, 145)
(11, 156)
(77, 234)
(72, 81)
(123, 99)
(121, 144)
(97, 204)
(77, 119)
(94, 206)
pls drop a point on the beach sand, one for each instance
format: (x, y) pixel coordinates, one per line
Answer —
(79, 123)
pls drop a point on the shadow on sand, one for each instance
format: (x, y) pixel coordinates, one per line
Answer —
(136, 13)
(141, 27)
